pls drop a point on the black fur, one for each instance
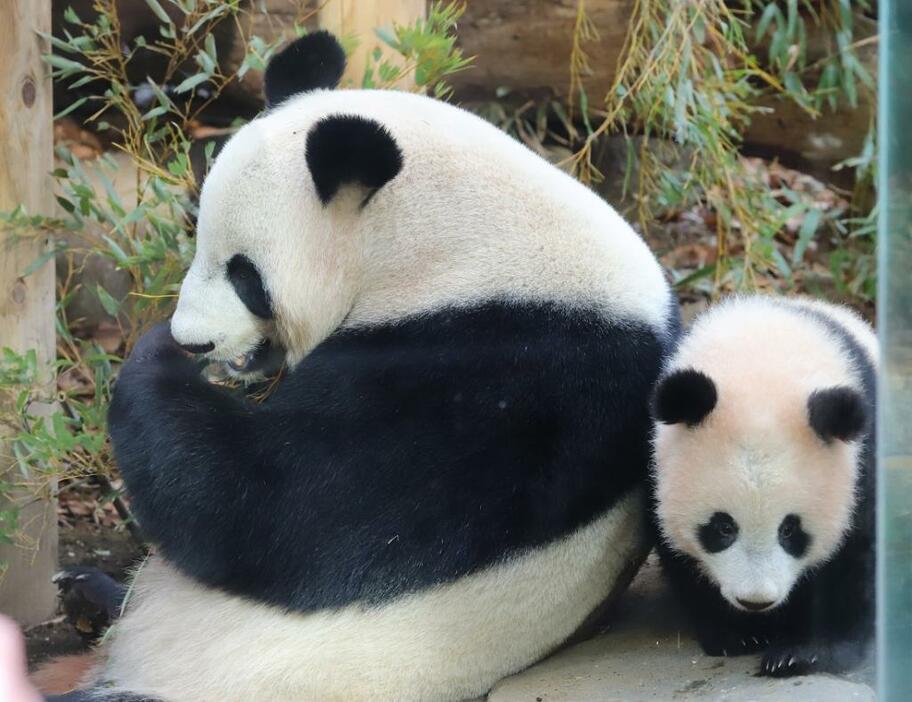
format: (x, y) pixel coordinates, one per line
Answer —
(394, 457)
(248, 284)
(838, 413)
(792, 537)
(828, 620)
(98, 695)
(316, 60)
(720, 532)
(198, 348)
(345, 149)
(91, 599)
(686, 396)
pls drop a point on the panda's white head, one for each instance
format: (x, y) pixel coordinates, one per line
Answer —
(264, 224)
(756, 451)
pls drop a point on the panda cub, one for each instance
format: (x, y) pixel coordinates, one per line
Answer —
(764, 482)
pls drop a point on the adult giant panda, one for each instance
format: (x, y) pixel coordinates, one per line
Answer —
(449, 480)
(764, 482)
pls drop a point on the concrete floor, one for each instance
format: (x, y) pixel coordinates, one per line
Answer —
(646, 654)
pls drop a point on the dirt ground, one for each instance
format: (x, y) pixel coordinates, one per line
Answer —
(82, 542)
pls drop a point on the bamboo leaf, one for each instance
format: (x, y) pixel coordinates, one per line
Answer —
(191, 82)
(159, 11)
(110, 305)
(806, 233)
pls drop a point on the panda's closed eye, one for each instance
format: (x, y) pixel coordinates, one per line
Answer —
(792, 537)
(720, 532)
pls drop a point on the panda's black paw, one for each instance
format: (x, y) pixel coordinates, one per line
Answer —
(782, 661)
(91, 599)
(154, 342)
(732, 643)
(838, 656)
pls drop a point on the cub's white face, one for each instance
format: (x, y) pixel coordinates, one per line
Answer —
(757, 449)
(755, 509)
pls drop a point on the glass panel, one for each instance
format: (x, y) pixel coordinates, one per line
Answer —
(895, 323)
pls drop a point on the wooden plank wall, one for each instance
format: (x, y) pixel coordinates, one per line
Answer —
(26, 304)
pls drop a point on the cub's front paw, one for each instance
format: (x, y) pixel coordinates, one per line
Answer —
(732, 643)
(785, 660)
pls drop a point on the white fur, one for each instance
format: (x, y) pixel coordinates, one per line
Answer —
(472, 215)
(756, 456)
(182, 642)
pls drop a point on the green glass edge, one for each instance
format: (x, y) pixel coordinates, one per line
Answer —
(894, 420)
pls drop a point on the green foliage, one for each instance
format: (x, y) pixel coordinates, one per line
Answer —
(427, 50)
(785, 29)
(149, 237)
(692, 75)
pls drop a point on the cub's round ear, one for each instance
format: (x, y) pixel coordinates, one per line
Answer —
(316, 60)
(838, 413)
(684, 396)
(343, 149)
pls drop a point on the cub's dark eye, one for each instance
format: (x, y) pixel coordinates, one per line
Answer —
(792, 537)
(720, 532)
(248, 284)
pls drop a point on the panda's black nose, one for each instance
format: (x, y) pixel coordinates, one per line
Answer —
(753, 605)
(198, 348)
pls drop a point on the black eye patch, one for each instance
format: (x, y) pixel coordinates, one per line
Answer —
(720, 532)
(248, 284)
(793, 539)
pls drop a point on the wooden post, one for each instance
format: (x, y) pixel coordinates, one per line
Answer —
(26, 304)
(360, 18)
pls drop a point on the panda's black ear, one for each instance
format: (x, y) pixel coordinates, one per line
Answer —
(316, 60)
(684, 396)
(343, 149)
(838, 413)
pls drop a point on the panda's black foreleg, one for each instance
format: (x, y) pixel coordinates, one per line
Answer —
(719, 629)
(192, 456)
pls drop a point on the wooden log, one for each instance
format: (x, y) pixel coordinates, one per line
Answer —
(522, 49)
(357, 18)
(815, 145)
(27, 304)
